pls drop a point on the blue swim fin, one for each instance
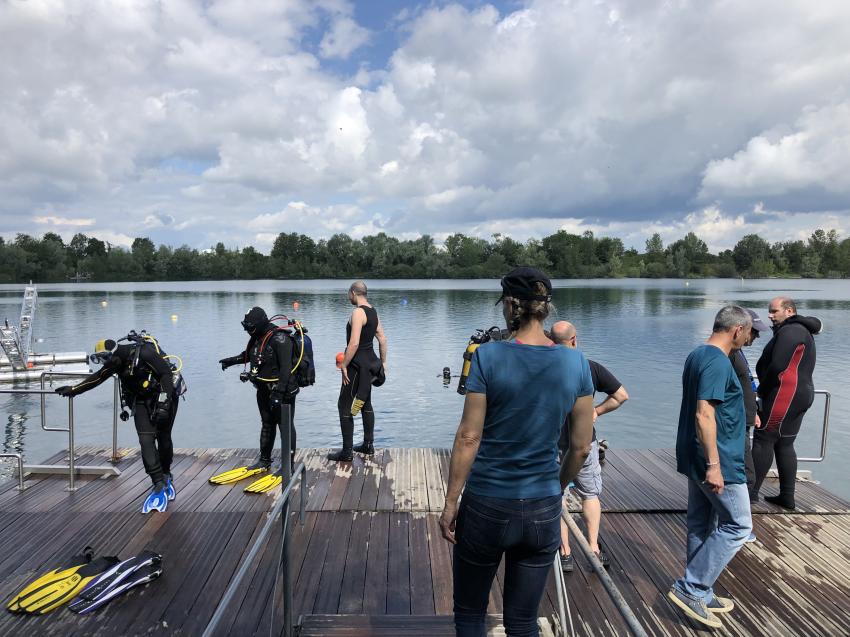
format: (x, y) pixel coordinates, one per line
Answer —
(157, 500)
(170, 491)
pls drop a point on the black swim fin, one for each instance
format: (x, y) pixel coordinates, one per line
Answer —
(143, 568)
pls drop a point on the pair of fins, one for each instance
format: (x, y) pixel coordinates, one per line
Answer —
(266, 483)
(86, 583)
(141, 569)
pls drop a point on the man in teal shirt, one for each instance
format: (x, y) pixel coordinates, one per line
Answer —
(710, 452)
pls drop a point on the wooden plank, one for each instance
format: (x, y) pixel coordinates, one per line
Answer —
(375, 598)
(386, 489)
(439, 550)
(435, 483)
(351, 498)
(418, 484)
(398, 571)
(372, 480)
(421, 586)
(354, 576)
(333, 568)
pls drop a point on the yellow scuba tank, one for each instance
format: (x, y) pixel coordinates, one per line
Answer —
(478, 338)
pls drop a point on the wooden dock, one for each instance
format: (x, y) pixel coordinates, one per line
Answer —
(369, 559)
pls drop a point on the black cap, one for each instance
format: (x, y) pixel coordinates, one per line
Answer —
(256, 317)
(520, 283)
(758, 324)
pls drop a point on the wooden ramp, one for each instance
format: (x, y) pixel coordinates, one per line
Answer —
(369, 556)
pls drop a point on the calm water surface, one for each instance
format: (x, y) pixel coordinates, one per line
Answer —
(642, 330)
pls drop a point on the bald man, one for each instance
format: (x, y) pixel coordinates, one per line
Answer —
(588, 482)
(786, 391)
(360, 369)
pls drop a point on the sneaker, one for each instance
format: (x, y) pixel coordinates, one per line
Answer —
(693, 608)
(567, 563)
(603, 559)
(750, 539)
(720, 604)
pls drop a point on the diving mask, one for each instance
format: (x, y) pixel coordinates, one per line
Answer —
(103, 351)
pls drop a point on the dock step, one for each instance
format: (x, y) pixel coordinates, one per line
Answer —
(397, 626)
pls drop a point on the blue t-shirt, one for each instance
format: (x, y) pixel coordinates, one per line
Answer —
(530, 390)
(709, 375)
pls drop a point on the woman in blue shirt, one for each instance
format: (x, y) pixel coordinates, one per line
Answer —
(505, 452)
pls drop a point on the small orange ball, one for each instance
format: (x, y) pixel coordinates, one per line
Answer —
(295, 305)
(339, 358)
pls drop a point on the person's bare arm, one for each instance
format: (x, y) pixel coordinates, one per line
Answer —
(706, 427)
(382, 342)
(581, 434)
(467, 441)
(358, 320)
(612, 401)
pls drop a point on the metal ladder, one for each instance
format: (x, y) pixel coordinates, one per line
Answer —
(27, 320)
(11, 346)
(17, 343)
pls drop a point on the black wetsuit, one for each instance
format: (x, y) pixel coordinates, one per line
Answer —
(270, 372)
(786, 390)
(745, 377)
(141, 385)
(356, 397)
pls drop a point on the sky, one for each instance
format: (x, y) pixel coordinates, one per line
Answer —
(194, 122)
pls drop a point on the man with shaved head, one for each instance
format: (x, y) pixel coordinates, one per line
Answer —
(360, 369)
(786, 390)
(588, 482)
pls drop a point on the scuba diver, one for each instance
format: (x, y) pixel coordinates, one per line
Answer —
(269, 355)
(360, 369)
(150, 389)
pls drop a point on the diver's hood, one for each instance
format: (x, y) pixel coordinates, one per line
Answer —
(814, 325)
(256, 321)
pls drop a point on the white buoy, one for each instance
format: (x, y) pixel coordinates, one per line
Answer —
(687, 283)
(103, 304)
(173, 317)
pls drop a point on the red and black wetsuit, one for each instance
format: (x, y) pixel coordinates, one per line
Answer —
(786, 391)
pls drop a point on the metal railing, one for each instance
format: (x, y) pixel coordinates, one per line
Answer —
(71, 467)
(281, 508)
(610, 587)
(824, 429)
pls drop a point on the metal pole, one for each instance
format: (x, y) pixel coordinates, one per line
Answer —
(71, 476)
(561, 591)
(20, 462)
(286, 471)
(611, 588)
(116, 399)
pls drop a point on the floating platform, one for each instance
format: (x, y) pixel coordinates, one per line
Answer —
(369, 559)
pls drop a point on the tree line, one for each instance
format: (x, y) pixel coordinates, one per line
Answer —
(298, 256)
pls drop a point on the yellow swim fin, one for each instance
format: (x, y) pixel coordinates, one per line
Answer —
(240, 473)
(266, 483)
(60, 585)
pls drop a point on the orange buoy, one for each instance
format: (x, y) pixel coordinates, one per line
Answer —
(295, 305)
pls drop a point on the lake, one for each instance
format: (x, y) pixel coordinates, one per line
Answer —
(642, 330)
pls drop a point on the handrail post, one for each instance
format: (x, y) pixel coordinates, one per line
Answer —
(824, 429)
(71, 453)
(116, 398)
(286, 471)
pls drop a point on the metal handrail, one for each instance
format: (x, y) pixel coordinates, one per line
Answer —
(564, 612)
(281, 509)
(116, 402)
(72, 469)
(20, 467)
(824, 430)
(609, 585)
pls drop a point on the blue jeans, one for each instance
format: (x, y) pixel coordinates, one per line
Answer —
(528, 533)
(718, 526)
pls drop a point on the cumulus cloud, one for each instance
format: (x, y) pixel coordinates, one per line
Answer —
(585, 115)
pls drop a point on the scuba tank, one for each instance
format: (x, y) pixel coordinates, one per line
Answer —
(478, 338)
(176, 364)
(303, 368)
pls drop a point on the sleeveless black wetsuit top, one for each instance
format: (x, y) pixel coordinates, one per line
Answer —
(365, 349)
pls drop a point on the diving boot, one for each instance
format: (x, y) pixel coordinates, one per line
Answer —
(366, 448)
(343, 455)
(170, 491)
